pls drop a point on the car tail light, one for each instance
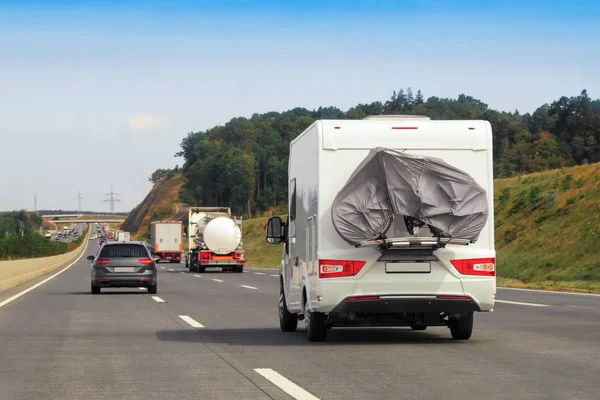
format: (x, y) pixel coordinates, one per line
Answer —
(102, 261)
(476, 266)
(145, 261)
(339, 268)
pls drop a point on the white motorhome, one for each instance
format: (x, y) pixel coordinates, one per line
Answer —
(352, 259)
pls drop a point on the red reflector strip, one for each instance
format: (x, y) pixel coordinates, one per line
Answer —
(336, 127)
(404, 127)
(362, 298)
(471, 128)
(453, 298)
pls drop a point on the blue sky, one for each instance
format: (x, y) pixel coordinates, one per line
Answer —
(102, 92)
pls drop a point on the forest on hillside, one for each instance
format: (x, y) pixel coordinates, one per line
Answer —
(243, 163)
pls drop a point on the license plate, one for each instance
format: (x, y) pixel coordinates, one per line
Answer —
(408, 267)
(124, 269)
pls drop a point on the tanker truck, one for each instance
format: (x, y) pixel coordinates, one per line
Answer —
(214, 240)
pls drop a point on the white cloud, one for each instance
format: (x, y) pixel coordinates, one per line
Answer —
(147, 123)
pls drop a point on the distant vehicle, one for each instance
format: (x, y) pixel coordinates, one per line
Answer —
(124, 236)
(93, 237)
(166, 240)
(215, 240)
(353, 255)
(119, 264)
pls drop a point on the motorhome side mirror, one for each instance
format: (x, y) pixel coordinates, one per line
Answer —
(274, 226)
(90, 258)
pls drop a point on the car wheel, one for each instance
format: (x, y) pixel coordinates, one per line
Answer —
(316, 331)
(288, 322)
(461, 328)
(95, 289)
(201, 269)
(153, 289)
(239, 269)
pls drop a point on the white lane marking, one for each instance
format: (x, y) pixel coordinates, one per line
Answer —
(277, 275)
(522, 304)
(24, 292)
(171, 269)
(198, 276)
(259, 273)
(158, 299)
(163, 267)
(217, 280)
(193, 323)
(248, 287)
(550, 291)
(181, 272)
(587, 308)
(285, 384)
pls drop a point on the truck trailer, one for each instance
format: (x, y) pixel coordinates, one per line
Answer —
(215, 240)
(124, 236)
(166, 240)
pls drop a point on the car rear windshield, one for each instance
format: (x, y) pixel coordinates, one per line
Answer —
(123, 250)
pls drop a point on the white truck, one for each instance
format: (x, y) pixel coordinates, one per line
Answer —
(215, 240)
(166, 240)
(390, 223)
(124, 236)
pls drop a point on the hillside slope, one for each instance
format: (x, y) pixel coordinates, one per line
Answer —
(547, 231)
(160, 204)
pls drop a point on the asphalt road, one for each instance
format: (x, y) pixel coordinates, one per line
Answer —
(60, 342)
(78, 227)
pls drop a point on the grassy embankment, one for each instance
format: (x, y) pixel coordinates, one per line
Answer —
(547, 231)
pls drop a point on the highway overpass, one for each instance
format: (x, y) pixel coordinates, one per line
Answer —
(75, 218)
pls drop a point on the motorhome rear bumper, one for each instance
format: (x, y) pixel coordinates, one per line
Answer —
(397, 304)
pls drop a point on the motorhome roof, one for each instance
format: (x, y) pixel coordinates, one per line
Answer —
(395, 117)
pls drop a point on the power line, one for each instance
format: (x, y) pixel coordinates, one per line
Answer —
(112, 199)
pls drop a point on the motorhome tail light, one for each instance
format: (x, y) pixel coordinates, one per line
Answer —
(102, 261)
(205, 255)
(476, 266)
(144, 261)
(339, 268)
(362, 298)
(464, 298)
